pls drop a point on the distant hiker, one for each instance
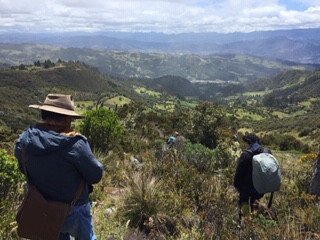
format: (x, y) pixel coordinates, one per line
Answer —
(57, 160)
(243, 177)
(171, 140)
(176, 140)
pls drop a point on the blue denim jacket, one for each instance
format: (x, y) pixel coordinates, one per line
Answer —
(56, 163)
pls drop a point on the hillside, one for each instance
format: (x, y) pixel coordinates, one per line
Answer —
(172, 85)
(227, 67)
(19, 88)
(185, 192)
(150, 191)
(289, 88)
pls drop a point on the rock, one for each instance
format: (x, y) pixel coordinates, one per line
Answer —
(109, 212)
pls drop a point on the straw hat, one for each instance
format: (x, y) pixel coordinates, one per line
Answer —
(58, 103)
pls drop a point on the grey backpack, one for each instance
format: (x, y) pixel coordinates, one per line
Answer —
(266, 174)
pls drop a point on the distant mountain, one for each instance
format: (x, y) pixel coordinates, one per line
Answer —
(304, 51)
(298, 45)
(222, 67)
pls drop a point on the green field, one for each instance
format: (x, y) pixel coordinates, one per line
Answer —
(83, 106)
(117, 101)
(243, 114)
(167, 106)
(260, 93)
(144, 91)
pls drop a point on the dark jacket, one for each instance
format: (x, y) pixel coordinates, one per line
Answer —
(56, 163)
(243, 176)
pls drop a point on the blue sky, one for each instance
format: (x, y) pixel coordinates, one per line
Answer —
(294, 5)
(169, 16)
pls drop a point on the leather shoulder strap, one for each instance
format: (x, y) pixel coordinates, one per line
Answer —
(78, 192)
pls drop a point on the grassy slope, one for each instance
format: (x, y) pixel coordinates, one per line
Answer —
(19, 88)
(107, 193)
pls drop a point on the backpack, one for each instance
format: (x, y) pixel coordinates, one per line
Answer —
(171, 140)
(266, 174)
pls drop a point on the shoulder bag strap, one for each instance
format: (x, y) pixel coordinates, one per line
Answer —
(24, 162)
(78, 193)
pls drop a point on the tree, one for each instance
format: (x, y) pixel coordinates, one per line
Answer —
(103, 129)
(37, 63)
(22, 67)
(48, 64)
(206, 122)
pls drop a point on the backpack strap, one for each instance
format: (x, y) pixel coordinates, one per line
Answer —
(265, 150)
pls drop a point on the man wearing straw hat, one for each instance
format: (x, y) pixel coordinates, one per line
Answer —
(58, 160)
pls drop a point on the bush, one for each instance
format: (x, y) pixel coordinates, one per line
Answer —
(142, 206)
(103, 129)
(10, 178)
(207, 121)
(9, 173)
(288, 142)
(305, 132)
(285, 142)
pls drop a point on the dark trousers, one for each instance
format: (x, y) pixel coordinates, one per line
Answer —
(249, 196)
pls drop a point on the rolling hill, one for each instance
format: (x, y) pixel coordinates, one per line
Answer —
(227, 67)
(290, 87)
(19, 88)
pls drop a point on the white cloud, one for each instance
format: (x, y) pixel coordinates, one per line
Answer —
(154, 15)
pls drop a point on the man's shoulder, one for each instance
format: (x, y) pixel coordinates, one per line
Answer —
(75, 135)
(246, 154)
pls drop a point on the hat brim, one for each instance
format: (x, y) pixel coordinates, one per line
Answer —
(57, 110)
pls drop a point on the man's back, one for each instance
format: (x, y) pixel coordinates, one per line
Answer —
(56, 163)
(243, 176)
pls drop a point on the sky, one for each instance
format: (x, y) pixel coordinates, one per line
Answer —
(168, 16)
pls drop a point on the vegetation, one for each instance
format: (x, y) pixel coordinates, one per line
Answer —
(102, 128)
(184, 192)
(226, 67)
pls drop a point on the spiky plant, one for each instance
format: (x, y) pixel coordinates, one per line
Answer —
(142, 204)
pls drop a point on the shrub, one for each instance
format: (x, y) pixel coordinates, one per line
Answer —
(285, 142)
(9, 193)
(206, 123)
(9, 173)
(203, 158)
(142, 206)
(288, 142)
(305, 132)
(103, 129)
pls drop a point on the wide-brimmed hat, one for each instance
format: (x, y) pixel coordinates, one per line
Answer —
(58, 103)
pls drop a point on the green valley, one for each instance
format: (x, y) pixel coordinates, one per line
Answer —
(150, 191)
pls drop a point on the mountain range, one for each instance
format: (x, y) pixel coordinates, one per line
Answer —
(297, 45)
